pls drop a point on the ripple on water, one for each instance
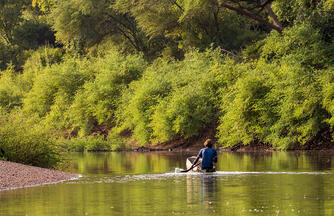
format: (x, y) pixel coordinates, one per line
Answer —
(177, 176)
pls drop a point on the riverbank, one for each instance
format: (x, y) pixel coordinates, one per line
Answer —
(253, 147)
(322, 142)
(14, 175)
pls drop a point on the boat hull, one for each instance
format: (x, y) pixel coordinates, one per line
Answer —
(190, 161)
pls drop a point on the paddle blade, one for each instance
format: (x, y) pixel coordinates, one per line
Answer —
(179, 170)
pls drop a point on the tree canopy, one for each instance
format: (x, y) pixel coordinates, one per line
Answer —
(108, 73)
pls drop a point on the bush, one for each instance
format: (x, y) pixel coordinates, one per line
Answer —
(73, 144)
(173, 98)
(116, 141)
(245, 108)
(97, 143)
(37, 61)
(301, 115)
(303, 42)
(113, 142)
(97, 101)
(25, 141)
(59, 80)
(137, 102)
(279, 104)
(278, 99)
(11, 89)
(327, 84)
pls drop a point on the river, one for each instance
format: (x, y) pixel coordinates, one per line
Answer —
(130, 183)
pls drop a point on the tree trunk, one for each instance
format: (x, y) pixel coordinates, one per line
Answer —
(242, 11)
(273, 16)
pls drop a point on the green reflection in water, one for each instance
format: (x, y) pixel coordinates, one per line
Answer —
(128, 183)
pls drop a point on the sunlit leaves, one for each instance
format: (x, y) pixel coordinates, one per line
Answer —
(97, 101)
(172, 99)
(44, 5)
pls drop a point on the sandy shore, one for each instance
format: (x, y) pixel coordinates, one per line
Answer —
(14, 175)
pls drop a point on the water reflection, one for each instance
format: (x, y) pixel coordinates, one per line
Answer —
(276, 161)
(116, 163)
(209, 187)
(202, 191)
(128, 183)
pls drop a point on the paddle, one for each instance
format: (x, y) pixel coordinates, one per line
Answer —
(192, 167)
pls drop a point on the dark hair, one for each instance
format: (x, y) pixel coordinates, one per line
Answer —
(208, 143)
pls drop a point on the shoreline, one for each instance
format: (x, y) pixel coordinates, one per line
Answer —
(254, 147)
(15, 175)
(322, 142)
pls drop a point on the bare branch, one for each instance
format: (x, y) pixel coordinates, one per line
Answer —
(174, 2)
(256, 17)
(229, 52)
(271, 13)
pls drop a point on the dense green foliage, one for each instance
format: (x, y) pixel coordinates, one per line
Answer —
(24, 140)
(97, 75)
(279, 99)
(173, 98)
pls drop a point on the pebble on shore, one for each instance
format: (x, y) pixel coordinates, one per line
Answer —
(14, 175)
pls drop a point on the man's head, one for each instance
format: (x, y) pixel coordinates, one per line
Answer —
(208, 143)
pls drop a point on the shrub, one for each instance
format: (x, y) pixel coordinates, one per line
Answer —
(303, 42)
(113, 142)
(97, 143)
(183, 113)
(37, 61)
(301, 115)
(278, 99)
(11, 92)
(61, 80)
(97, 101)
(25, 141)
(72, 145)
(278, 104)
(173, 98)
(137, 102)
(116, 141)
(327, 84)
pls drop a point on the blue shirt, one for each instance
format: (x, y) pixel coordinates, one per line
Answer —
(207, 155)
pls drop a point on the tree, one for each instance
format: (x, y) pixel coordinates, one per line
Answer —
(88, 22)
(253, 9)
(191, 23)
(10, 17)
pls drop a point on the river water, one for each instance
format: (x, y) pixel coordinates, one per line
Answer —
(130, 183)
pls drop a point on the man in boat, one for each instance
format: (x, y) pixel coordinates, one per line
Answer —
(208, 155)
